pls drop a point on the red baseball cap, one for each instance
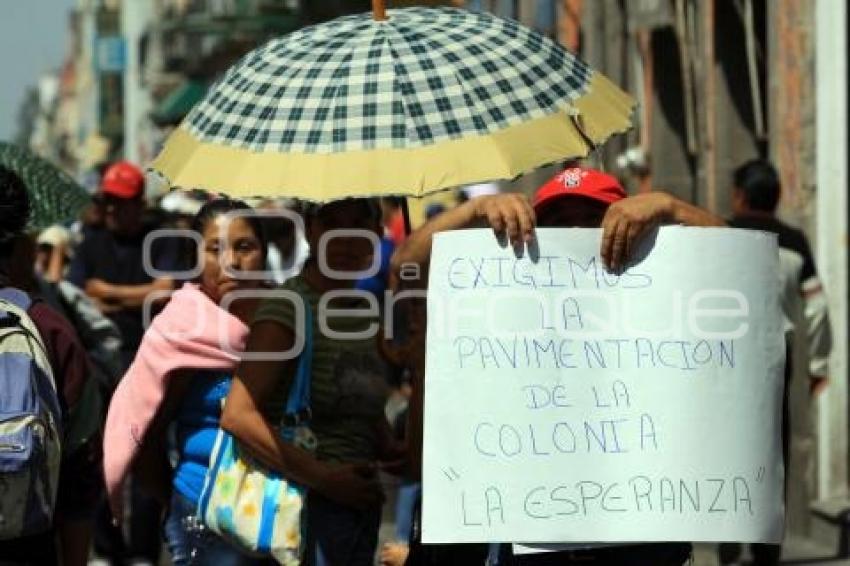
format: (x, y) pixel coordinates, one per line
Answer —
(580, 182)
(123, 180)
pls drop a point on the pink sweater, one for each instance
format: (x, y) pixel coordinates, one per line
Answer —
(192, 332)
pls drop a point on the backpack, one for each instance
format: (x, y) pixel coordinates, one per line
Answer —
(30, 423)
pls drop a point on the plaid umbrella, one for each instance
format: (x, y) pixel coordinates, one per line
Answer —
(425, 100)
(55, 197)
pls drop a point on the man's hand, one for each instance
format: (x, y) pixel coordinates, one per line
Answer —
(629, 219)
(127, 296)
(163, 284)
(394, 554)
(508, 214)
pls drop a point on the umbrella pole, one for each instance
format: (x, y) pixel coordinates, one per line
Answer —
(379, 10)
(405, 214)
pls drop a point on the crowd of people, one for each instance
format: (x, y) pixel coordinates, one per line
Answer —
(131, 326)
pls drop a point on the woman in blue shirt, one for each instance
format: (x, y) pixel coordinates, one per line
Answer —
(196, 421)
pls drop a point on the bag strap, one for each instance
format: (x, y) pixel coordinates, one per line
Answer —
(298, 402)
(16, 297)
(22, 301)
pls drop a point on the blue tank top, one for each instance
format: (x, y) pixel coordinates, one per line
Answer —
(196, 428)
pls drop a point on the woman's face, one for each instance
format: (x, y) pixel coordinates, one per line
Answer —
(229, 243)
(344, 253)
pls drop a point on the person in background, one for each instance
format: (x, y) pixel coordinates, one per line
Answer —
(575, 198)
(181, 207)
(53, 253)
(393, 219)
(394, 553)
(377, 284)
(98, 333)
(287, 248)
(68, 541)
(108, 265)
(182, 379)
(348, 393)
(755, 198)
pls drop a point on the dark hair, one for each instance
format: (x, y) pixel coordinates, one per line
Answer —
(393, 201)
(14, 209)
(215, 208)
(310, 210)
(758, 182)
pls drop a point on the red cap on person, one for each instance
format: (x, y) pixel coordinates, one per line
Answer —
(579, 182)
(123, 180)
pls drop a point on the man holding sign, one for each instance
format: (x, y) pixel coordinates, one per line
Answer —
(453, 512)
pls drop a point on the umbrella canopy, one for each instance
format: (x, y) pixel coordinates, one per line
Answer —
(55, 197)
(424, 100)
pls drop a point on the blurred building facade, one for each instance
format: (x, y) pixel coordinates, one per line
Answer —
(134, 68)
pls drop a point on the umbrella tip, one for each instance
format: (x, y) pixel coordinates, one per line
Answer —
(379, 10)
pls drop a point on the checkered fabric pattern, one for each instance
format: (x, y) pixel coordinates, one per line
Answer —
(421, 77)
(55, 197)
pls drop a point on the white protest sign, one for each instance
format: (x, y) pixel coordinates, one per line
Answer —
(564, 403)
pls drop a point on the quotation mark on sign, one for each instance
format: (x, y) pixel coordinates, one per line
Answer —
(760, 475)
(451, 474)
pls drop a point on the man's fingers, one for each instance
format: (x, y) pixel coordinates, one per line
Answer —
(509, 215)
(633, 235)
(618, 245)
(519, 219)
(609, 231)
(525, 214)
(512, 225)
(494, 219)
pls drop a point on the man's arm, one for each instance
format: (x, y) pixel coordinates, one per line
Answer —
(816, 320)
(509, 214)
(253, 382)
(125, 296)
(628, 220)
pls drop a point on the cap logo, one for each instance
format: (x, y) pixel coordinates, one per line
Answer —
(572, 178)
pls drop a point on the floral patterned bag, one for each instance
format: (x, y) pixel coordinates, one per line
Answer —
(251, 505)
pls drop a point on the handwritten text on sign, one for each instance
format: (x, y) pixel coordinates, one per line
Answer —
(565, 403)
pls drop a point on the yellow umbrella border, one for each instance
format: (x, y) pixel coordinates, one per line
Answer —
(604, 110)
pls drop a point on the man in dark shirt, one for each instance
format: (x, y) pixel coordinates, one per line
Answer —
(755, 198)
(109, 266)
(754, 201)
